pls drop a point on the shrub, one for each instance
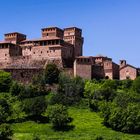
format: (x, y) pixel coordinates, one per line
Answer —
(70, 91)
(36, 137)
(93, 104)
(136, 85)
(58, 116)
(34, 106)
(15, 89)
(30, 91)
(110, 84)
(5, 81)
(126, 84)
(51, 74)
(4, 110)
(5, 131)
(99, 138)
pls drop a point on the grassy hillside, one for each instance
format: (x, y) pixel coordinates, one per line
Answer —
(88, 126)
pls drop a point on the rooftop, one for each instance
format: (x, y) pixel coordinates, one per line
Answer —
(14, 33)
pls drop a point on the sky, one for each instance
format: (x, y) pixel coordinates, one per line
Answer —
(110, 27)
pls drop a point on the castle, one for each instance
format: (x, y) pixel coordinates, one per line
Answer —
(64, 47)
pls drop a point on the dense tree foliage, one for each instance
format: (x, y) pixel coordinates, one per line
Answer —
(4, 110)
(117, 105)
(5, 81)
(34, 106)
(51, 74)
(58, 115)
(118, 102)
(5, 131)
(70, 90)
(136, 85)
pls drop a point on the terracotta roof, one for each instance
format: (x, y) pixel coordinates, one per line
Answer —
(85, 57)
(42, 39)
(14, 33)
(129, 66)
(72, 28)
(5, 42)
(51, 28)
(93, 57)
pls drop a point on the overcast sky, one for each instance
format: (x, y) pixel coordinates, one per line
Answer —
(110, 27)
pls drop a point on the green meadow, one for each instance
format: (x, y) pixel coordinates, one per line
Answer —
(88, 126)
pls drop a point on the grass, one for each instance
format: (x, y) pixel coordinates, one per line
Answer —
(88, 126)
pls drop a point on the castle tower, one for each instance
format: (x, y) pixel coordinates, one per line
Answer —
(52, 32)
(73, 36)
(15, 37)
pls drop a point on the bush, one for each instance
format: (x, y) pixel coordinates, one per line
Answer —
(36, 137)
(110, 84)
(126, 84)
(107, 94)
(34, 106)
(4, 110)
(51, 74)
(126, 120)
(5, 131)
(90, 88)
(5, 81)
(70, 91)
(136, 85)
(99, 138)
(15, 89)
(58, 116)
(93, 104)
(28, 91)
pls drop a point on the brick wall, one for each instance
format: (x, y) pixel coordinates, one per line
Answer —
(128, 72)
(24, 75)
(83, 70)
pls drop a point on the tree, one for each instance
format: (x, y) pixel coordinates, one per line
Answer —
(90, 89)
(51, 74)
(4, 110)
(70, 90)
(58, 116)
(5, 131)
(15, 89)
(126, 84)
(34, 106)
(5, 81)
(136, 85)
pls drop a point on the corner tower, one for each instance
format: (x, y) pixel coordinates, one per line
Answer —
(51, 32)
(73, 35)
(15, 37)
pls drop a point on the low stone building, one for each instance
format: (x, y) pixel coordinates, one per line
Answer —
(96, 67)
(128, 71)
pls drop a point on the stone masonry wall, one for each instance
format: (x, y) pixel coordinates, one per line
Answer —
(83, 70)
(24, 75)
(128, 72)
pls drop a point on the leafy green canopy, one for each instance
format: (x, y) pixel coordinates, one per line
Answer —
(5, 81)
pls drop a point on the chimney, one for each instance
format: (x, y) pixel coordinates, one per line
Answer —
(122, 63)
